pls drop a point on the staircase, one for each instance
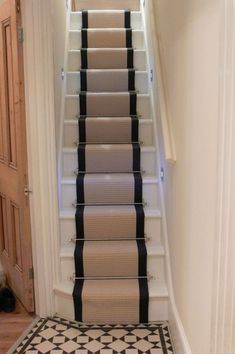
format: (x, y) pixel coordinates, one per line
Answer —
(100, 170)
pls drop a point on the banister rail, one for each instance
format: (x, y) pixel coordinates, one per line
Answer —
(150, 12)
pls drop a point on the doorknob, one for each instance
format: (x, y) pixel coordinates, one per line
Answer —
(27, 191)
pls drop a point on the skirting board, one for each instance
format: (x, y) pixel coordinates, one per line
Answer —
(178, 335)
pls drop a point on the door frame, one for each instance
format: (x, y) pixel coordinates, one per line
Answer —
(223, 306)
(37, 22)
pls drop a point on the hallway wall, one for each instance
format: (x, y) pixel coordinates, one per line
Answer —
(59, 24)
(189, 33)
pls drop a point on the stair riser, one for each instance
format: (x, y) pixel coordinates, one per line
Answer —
(70, 163)
(152, 230)
(150, 195)
(75, 40)
(72, 106)
(73, 83)
(155, 266)
(158, 307)
(74, 60)
(71, 134)
(76, 21)
(133, 5)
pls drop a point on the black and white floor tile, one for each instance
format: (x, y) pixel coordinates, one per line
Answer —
(59, 336)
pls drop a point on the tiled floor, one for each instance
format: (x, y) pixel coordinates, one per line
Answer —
(58, 336)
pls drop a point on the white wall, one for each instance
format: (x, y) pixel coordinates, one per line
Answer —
(189, 33)
(59, 27)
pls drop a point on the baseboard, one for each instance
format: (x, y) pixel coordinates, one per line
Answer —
(177, 332)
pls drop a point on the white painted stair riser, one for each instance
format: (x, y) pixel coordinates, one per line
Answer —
(71, 133)
(76, 20)
(75, 39)
(68, 194)
(70, 162)
(74, 60)
(155, 266)
(158, 301)
(72, 106)
(73, 82)
(153, 228)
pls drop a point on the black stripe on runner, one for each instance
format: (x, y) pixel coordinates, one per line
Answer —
(130, 58)
(142, 259)
(136, 156)
(83, 80)
(84, 63)
(128, 37)
(127, 19)
(84, 19)
(144, 301)
(79, 218)
(78, 257)
(80, 188)
(84, 38)
(138, 188)
(82, 101)
(140, 221)
(82, 157)
(134, 129)
(133, 103)
(82, 129)
(77, 299)
(131, 80)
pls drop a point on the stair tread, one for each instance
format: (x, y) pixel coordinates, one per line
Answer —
(143, 149)
(156, 289)
(105, 29)
(70, 213)
(75, 121)
(146, 180)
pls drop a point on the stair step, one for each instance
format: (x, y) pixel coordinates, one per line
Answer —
(75, 39)
(72, 106)
(155, 262)
(141, 82)
(71, 132)
(74, 60)
(70, 161)
(76, 20)
(133, 5)
(158, 300)
(150, 192)
(152, 228)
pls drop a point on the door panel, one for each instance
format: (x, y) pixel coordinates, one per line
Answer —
(15, 240)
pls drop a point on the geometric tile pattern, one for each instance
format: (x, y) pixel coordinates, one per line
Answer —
(59, 336)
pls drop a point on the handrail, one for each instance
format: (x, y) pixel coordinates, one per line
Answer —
(150, 9)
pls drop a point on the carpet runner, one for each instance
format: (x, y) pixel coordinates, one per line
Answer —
(111, 283)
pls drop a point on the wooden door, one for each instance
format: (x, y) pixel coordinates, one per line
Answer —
(15, 240)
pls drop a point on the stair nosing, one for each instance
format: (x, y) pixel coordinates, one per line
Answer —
(146, 179)
(143, 121)
(150, 213)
